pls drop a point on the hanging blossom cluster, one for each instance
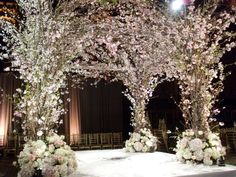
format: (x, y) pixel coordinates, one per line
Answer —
(41, 48)
(121, 41)
(199, 39)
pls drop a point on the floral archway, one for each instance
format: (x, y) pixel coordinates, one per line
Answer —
(132, 41)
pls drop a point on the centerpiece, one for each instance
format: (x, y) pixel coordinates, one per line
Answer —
(49, 158)
(199, 147)
(141, 141)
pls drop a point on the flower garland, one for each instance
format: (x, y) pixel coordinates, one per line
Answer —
(142, 141)
(199, 147)
(53, 158)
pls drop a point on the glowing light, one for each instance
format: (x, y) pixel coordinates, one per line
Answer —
(1, 136)
(177, 4)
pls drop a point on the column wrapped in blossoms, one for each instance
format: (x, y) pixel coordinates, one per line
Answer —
(200, 36)
(41, 50)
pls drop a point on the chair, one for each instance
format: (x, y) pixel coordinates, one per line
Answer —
(106, 140)
(231, 141)
(11, 145)
(162, 138)
(94, 141)
(1, 144)
(83, 142)
(1, 140)
(74, 141)
(117, 140)
(21, 142)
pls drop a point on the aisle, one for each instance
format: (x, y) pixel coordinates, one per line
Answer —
(117, 163)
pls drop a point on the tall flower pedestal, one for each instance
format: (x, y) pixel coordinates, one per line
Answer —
(199, 147)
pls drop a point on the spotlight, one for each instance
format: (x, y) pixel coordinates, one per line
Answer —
(177, 4)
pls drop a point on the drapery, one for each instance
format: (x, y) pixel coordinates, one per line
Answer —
(101, 108)
(72, 119)
(7, 85)
(74, 111)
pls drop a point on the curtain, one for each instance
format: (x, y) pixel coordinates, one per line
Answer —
(101, 108)
(7, 86)
(74, 111)
(72, 118)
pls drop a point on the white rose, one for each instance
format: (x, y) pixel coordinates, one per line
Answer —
(138, 146)
(39, 133)
(187, 154)
(149, 143)
(200, 132)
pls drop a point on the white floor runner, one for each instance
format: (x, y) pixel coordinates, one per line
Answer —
(118, 163)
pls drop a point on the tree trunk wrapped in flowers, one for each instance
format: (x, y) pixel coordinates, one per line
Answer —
(41, 52)
(41, 49)
(122, 40)
(199, 38)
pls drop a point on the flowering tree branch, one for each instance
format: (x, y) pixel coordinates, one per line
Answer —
(124, 40)
(41, 50)
(199, 38)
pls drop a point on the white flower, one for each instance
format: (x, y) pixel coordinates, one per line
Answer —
(196, 144)
(215, 153)
(51, 148)
(141, 141)
(183, 143)
(45, 156)
(149, 143)
(199, 155)
(39, 133)
(136, 136)
(145, 149)
(138, 146)
(221, 123)
(207, 150)
(207, 161)
(200, 132)
(187, 154)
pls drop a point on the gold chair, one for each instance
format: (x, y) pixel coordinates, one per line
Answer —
(106, 140)
(94, 141)
(1, 143)
(116, 140)
(1, 140)
(83, 141)
(74, 141)
(231, 141)
(21, 142)
(11, 145)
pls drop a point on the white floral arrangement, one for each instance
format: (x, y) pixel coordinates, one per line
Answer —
(142, 141)
(199, 147)
(53, 158)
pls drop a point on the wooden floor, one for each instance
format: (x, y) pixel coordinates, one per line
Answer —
(8, 170)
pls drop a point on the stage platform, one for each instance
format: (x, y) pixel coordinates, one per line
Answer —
(118, 163)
